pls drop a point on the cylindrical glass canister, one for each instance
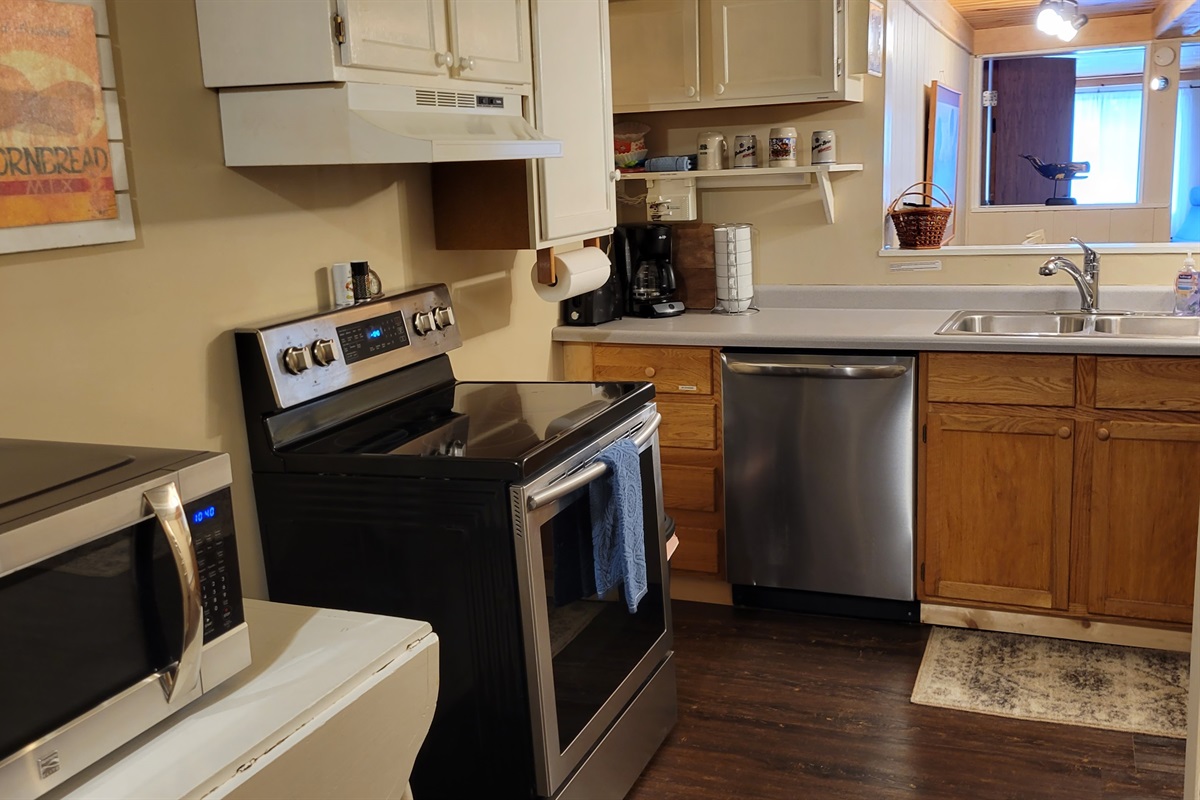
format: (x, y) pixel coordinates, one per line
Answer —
(782, 143)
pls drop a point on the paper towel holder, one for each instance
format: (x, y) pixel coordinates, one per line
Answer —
(546, 270)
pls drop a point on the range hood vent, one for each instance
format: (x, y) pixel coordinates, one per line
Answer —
(361, 123)
(433, 98)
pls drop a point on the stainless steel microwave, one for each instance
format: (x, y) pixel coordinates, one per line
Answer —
(120, 599)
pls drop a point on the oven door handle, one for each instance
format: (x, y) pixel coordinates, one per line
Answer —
(178, 679)
(582, 477)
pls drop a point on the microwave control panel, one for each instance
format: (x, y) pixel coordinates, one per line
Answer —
(210, 520)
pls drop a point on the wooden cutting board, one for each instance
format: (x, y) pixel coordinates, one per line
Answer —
(692, 256)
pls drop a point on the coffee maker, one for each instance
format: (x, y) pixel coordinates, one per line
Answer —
(642, 256)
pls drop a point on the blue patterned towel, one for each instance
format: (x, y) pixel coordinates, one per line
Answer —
(669, 164)
(618, 535)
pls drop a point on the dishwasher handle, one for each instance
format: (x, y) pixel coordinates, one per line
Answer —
(835, 371)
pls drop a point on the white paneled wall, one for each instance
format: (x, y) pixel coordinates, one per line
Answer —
(917, 53)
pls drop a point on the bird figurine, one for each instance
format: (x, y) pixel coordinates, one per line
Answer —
(1067, 171)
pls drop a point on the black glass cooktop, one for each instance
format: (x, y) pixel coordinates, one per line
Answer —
(466, 425)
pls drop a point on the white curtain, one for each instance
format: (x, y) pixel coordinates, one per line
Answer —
(1108, 135)
(1187, 158)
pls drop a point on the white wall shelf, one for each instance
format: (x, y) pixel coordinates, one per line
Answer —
(754, 177)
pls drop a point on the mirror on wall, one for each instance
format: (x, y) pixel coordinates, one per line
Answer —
(1063, 129)
(1100, 143)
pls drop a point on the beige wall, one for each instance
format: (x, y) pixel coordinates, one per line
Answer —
(131, 343)
(794, 245)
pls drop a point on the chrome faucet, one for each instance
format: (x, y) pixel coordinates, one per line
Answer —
(1087, 281)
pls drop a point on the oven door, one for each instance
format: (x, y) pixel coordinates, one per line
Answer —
(586, 656)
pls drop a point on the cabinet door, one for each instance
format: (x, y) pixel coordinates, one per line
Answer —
(998, 509)
(655, 54)
(404, 37)
(490, 40)
(772, 48)
(1145, 496)
(577, 197)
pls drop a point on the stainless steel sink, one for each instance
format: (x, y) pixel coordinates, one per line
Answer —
(1014, 323)
(1057, 323)
(1147, 325)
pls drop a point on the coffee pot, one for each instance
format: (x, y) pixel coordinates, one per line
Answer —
(644, 252)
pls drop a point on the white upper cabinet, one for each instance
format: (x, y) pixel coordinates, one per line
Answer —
(489, 40)
(744, 52)
(408, 36)
(577, 196)
(427, 43)
(656, 54)
(772, 48)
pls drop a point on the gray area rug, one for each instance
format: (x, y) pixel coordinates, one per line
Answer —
(1055, 680)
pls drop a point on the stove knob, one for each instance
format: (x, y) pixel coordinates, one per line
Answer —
(297, 359)
(423, 323)
(443, 317)
(323, 353)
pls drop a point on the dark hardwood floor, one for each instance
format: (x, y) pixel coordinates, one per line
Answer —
(788, 706)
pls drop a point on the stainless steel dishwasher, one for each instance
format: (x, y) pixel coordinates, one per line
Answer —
(819, 481)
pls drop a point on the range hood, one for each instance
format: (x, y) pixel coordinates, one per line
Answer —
(364, 123)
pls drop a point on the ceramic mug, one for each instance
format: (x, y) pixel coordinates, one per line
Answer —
(710, 150)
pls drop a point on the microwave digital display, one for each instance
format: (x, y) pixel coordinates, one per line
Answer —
(373, 337)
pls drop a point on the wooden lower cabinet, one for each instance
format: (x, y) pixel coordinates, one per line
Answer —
(1145, 493)
(1085, 511)
(999, 509)
(687, 384)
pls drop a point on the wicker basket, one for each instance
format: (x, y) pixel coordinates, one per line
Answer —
(921, 227)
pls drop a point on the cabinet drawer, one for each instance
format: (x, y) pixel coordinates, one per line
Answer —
(697, 550)
(691, 488)
(692, 425)
(1007, 379)
(1156, 384)
(673, 370)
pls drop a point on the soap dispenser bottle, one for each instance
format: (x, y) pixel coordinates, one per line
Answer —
(1187, 289)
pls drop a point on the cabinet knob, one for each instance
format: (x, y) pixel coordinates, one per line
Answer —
(443, 59)
(691, 91)
(615, 175)
(1102, 434)
(1064, 432)
(720, 88)
(649, 372)
(466, 62)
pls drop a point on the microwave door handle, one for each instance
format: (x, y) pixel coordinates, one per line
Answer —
(167, 507)
(591, 472)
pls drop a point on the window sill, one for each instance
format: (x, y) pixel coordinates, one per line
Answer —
(1068, 209)
(1104, 248)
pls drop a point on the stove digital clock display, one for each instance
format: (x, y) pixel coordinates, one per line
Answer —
(373, 337)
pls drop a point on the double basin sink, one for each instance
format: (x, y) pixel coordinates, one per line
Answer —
(1069, 323)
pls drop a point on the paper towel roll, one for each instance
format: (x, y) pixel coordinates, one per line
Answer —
(578, 271)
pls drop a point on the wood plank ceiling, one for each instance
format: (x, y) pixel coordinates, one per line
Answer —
(1007, 13)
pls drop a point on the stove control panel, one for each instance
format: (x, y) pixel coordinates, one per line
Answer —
(310, 357)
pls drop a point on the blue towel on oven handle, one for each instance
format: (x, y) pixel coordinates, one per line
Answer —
(618, 533)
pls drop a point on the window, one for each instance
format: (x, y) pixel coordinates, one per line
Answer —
(1108, 136)
(1185, 194)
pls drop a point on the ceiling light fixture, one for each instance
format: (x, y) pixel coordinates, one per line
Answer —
(1060, 18)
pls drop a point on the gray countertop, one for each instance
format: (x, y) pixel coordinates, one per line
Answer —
(889, 318)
